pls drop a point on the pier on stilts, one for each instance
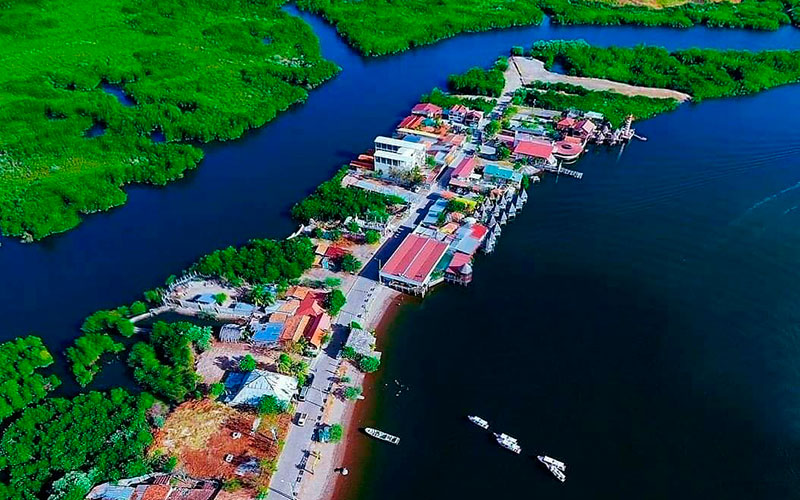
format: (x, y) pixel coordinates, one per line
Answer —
(561, 170)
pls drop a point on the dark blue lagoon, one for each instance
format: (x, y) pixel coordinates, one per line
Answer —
(640, 324)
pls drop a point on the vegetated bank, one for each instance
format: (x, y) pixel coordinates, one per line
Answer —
(86, 86)
(375, 27)
(702, 73)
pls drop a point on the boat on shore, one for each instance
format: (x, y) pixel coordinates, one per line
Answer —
(483, 424)
(383, 436)
(556, 467)
(508, 442)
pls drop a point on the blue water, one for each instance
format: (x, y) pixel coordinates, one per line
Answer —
(640, 323)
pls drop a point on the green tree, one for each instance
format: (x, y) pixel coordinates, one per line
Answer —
(261, 296)
(352, 393)
(372, 236)
(335, 302)
(503, 152)
(492, 128)
(247, 363)
(335, 433)
(369, 364)
(353, 227)
(270, 405)
(216, 390)
(220, 298)
(333, 282)
(350, 263)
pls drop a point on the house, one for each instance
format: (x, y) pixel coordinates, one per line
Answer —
(395, 157)
(266, 334)
(432, 217)
(155, 487)
(464, 168)
(473, 118)
(565, 124)
(318, 327)
(457, 113)
(362, 342)
(411, 266)
(459, 270)
(230, 333)
(247, 389)
(205, 299)
(584, 128)
(501, 175)
(427, 110)
(293, 329)
(469, 238)
(534, 152)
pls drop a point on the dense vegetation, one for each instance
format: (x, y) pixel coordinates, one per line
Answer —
(164, 364)
(377, 27)
(448, 101)
(613, 105)
(260, 261)
(332, 202)
(62, 447)
(195, 71)
(21, 386)
(703, 73)
(478, 81)
(86, 353)
(754, 14)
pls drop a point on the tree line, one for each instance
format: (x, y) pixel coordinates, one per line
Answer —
(21, 385)
(702, 73)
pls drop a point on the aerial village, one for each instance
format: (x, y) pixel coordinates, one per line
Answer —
(462, 179)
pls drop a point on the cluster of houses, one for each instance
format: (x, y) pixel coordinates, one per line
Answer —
(156, 487)
(298, 316)
(443, 151)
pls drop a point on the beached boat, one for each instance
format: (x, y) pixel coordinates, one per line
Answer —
(556, 467)
(508, 442)
(483, 424)
(383, 436)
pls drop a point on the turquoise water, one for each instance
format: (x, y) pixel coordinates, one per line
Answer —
(639, 324)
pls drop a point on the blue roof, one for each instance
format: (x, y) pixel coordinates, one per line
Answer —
(244, 307)
(267, 332)
(432, 217)
(206, 298)
(411, 138)
(502, 172)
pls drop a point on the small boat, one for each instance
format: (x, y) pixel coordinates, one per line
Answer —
(508, 442)
(556, 467)
(383, 436)
(552, 461)
(483, 424)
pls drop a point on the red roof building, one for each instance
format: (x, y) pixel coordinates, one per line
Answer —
(427, 110)
(412, 264)
(565, 124)
(533, 150)
(464, 169)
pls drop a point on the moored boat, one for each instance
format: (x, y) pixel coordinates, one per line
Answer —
(483, 424)
(508, 442)
(556, 467)
(552, 461)
(383, 436)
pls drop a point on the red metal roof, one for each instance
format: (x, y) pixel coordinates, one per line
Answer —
(479, 231)
(415, 259)
(426, 108)
(459, 259)
(464, 168)
(534, 149)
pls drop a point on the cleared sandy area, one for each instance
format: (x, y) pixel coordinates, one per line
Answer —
(522, 70)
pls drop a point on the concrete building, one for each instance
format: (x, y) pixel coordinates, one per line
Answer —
(394, 157)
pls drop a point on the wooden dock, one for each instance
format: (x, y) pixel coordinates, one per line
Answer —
(559, 170)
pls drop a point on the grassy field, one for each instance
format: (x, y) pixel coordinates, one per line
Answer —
(193, 71)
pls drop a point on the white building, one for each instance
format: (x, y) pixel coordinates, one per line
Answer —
(396, 156)
(249, 388)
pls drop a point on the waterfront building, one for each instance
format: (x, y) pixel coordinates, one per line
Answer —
(534, 152)
(395, 157)
(427, 110)
(411, 266)
(459, 270)
(457, 113)
(155, 487)
(247, 389)
(501, 176)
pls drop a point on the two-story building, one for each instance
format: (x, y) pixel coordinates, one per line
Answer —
(395, 157)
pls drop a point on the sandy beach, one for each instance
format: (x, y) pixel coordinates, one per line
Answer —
(326, 482)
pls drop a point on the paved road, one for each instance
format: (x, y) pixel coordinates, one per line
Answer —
(287, 480)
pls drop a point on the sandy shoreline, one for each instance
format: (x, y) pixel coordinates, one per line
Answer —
(348, 453)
